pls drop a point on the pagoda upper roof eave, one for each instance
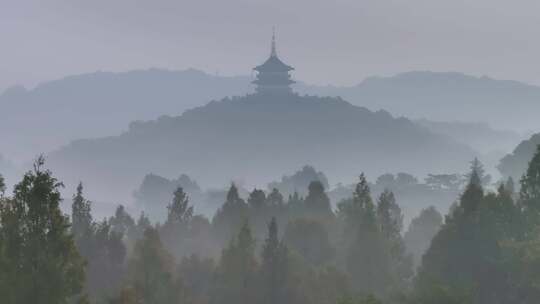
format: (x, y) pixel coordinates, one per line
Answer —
(262, 68)
(283, 83)
(273, 64)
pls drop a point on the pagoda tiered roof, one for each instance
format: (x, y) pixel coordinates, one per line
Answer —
(273, 64)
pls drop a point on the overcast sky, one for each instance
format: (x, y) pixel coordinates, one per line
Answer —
(329, 42)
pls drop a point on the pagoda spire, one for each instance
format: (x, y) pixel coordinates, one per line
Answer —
(273, 52)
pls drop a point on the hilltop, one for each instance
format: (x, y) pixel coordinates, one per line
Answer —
(256, 138)
(104, 103)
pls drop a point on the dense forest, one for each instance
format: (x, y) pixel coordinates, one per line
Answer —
(267, 248)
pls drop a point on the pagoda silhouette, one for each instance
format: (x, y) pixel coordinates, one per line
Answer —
(273, 75)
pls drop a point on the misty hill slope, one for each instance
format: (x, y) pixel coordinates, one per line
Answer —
(479, 135)
(515, 164)
(447, 97)
(103, 103)
(256, 138)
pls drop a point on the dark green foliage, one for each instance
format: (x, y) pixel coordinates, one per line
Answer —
(230, 217)
(319, 286)
(179, 210)
(365, 256)
(257, 199)
(263, 208)
(373, 251)
(522, 259)
(486, 252)
(274, 267)
(2, 185)
(122, 222)
(40, 263)
(389, 215)
(358, 212)
(82, 222)
(197, 276)
(472, 197)
(530, 184)
(442, 294)
(295, 206)
(175, 230)
(317, 203)
(367, 300)
(477, 174)
(102, 248)
(151, 272)
(390, 220)
(106, 259)
(309, 238)
(466, 254)
(237, 271)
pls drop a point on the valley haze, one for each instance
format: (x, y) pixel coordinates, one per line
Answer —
(104, 104)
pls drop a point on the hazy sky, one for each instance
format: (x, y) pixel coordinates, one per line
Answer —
(329, 42)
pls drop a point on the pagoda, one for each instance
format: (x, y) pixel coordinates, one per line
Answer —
(273, 75)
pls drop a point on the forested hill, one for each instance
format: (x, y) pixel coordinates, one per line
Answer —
(256, 139)
(104, 103)
(101, 104)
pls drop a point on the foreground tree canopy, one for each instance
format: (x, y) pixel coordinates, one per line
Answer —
(270, 249)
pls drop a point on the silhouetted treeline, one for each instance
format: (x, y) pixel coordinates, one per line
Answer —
(439, 190)
(269, 248)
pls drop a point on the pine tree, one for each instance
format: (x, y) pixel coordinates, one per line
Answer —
(274, 267)
(236, 273)
(471, 198)
(366, 256)
(530, 185)
(150, 272)
(389, 215)
(480, 177)
(106, 261)
(466, 253)
(179, 210)
(2, 185)
(122, 222)
(81, 217)
(359, 211)
(230, 217)
(390, 221)
(176, 228)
